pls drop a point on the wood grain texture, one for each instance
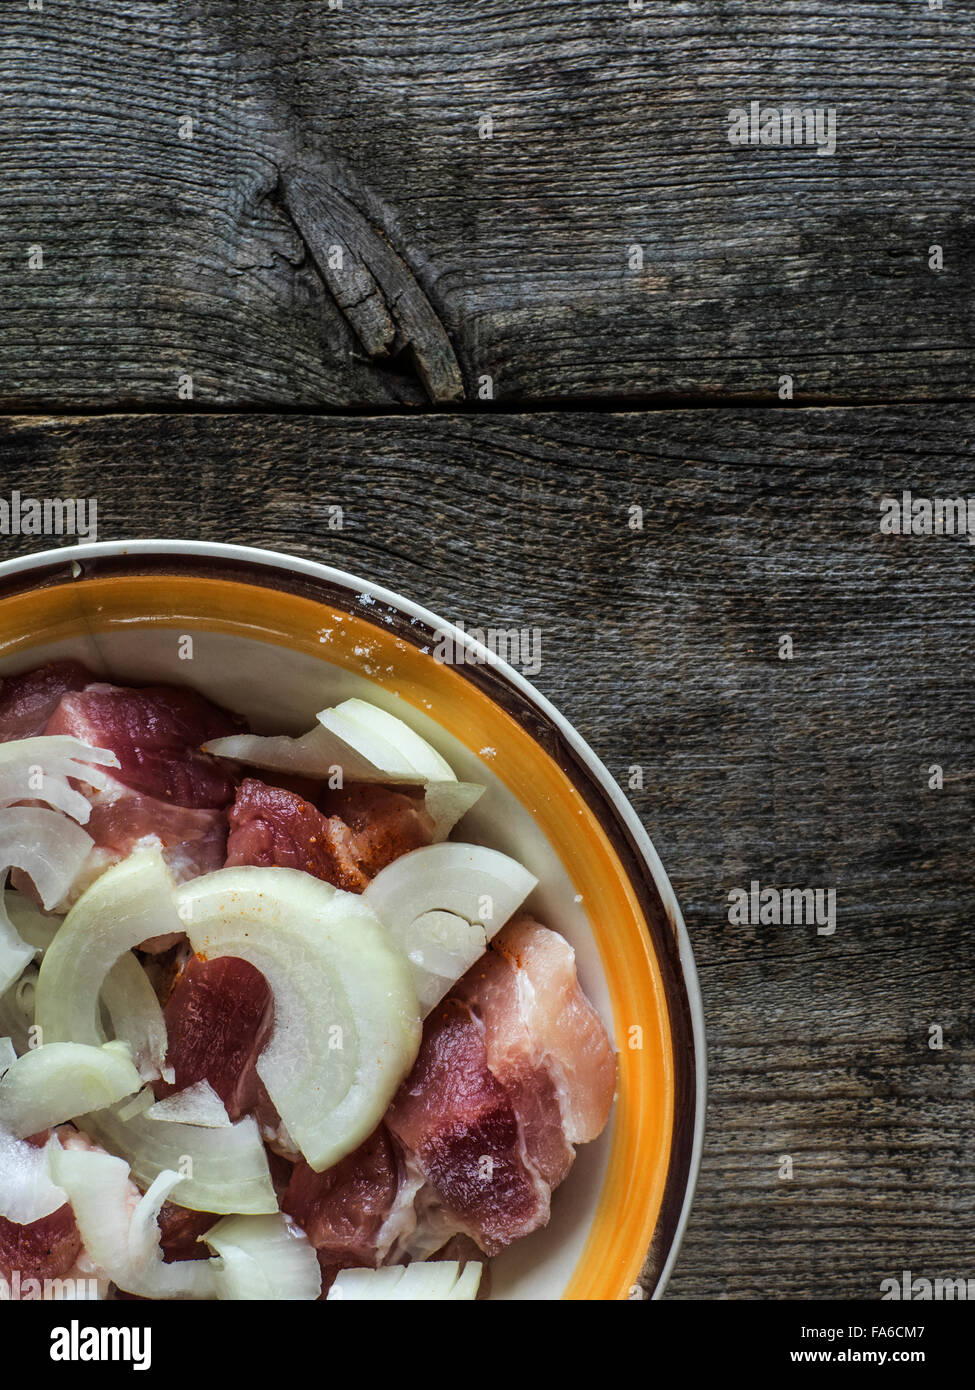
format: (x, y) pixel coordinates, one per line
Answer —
(168, 257)
(661, 645)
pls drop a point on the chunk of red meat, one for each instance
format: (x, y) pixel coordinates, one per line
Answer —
(366, 829)
(536, 1103)
(155, 733)
(119, 822)
(218, 1018)
(544, 1041)
(342, 1210)
(271, 827)
(458, 1120)
(27, 701)
(179, 1232)
(166, 792)
(515, 1068)
(194, 841)
(384, 823)
(44, 1249)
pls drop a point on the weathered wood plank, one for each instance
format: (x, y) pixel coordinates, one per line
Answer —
(662, 645)
(211, 257)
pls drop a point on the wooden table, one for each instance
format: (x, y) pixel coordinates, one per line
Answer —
(656, 387)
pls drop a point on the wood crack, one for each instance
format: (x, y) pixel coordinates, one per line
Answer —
(344, 230)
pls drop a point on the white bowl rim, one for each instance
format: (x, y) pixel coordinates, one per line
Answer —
(273, 559)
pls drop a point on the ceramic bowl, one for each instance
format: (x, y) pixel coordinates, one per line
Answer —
(277, 638)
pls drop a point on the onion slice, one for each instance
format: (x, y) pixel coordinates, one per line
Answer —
(423, 1281)
(223, 1170)
(263, 1257)
(129, 903)
(442, 905)
(27, 1189)
(381, 737)
(196, 1105)
(55, 1082)
(17, 1008)
(38, 769)
(51, 849)
(447, 802)
(367, 743)
(47, 845)
(136, 1017)
(346, 1021)
(35, 927)
(122, 1241)
(139, 1104)
(15, 953)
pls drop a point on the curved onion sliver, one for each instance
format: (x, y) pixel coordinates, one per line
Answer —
(446, 802)
(53, 1083)
(368, 744)
(346, 1021)
(198, 1104)
(15, 953)
(422, 1281)
(49, 847)
(127, 994)
(27, 1190)
(17, 1008)
(38, 769)
(136, 1017)
(223, 1170)
(442, 904)
(35, 927)
(129, 903)
(383, 738)
(121, 1241)
(263, 1257)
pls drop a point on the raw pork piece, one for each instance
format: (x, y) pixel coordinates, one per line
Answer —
(218, 1019)
(372, 826)
(544, 1041)
(514, 1070)
(458, 1120)
(155, 733)
(27, 701)
(50, 1248)
(383, 823)
(219, 1016)
(44, 1249)
(271, 827)
(166, 791)
(343, 1211)
(193, 841)
(180, 1230)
